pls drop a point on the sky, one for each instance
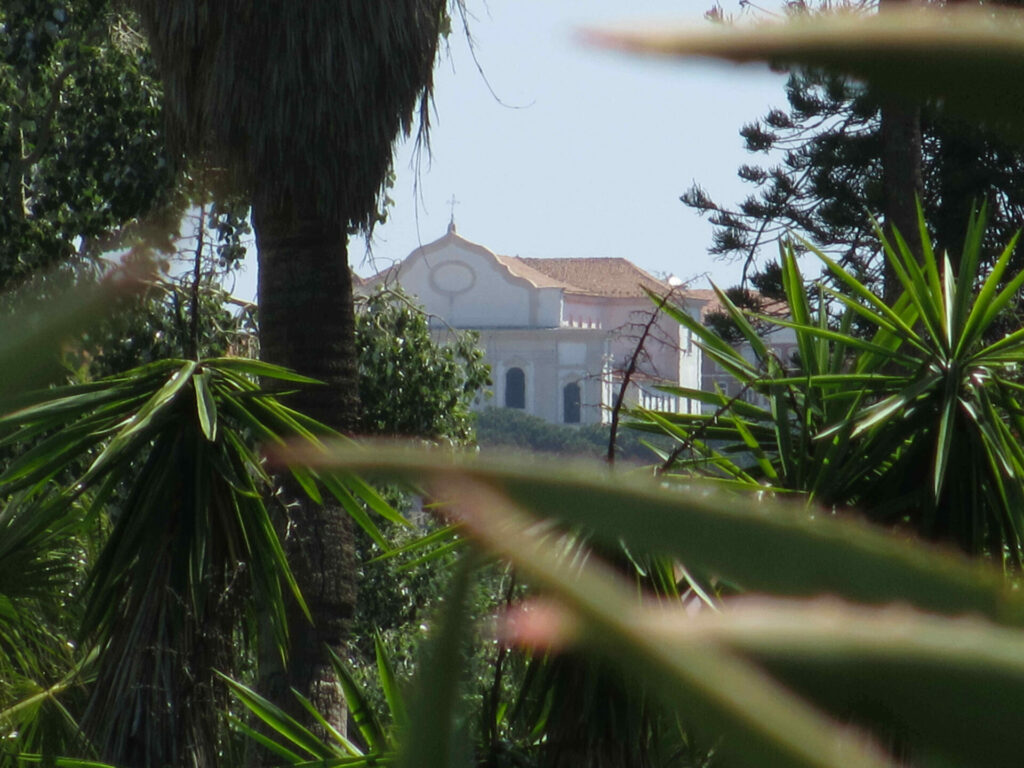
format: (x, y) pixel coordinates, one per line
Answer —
(568, 151)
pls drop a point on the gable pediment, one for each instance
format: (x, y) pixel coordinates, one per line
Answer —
(468, 286)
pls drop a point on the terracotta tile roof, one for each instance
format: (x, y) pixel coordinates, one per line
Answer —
(597, 277)
(537, 277)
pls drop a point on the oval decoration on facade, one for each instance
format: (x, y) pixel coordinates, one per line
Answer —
(452, 278)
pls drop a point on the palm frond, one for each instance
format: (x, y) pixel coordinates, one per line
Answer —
(236, 79)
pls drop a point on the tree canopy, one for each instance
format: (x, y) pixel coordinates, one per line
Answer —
(411, 385)
(825, 181)
(82, 139)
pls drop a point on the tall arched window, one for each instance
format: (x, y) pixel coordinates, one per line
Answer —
(515, 388)
(571, 403)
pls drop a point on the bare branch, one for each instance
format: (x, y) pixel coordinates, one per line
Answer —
(627, 375)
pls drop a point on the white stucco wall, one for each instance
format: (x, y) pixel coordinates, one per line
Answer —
(550, 358)
(556, 336)
(465, 284)
(782, 343)
(670, 355)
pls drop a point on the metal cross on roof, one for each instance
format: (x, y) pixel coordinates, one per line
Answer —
(451, 222)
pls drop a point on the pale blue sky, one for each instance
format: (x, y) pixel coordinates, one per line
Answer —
(590, 154)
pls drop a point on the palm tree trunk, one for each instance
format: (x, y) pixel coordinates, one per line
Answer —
(306, 318)
(306, 323)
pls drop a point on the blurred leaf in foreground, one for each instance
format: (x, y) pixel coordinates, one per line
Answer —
(768, 674)
(30, 341)
(970, 58)
(758, 546)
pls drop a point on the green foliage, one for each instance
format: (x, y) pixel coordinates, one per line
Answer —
(410, 385)
(722, 324)
(915, 425)
(441, 673)
(829, 173)
(400, 593)
(155, 325)
(42, 671)
(513, 428)
(191, 548)
(508, 428)
(379, 701)
(182, 308)
(27, 347)
(857, 647)
(291, 743)
(139, 551)
(82, 138)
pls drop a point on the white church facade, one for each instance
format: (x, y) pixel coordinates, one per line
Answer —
(558, 333)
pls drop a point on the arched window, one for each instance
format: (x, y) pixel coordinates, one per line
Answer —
(515, 388)
(571, 403)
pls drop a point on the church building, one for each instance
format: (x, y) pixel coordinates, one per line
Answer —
(559, 334)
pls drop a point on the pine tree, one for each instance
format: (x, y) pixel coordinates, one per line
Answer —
(829, 181)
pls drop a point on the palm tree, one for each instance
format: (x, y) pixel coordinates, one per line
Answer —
(300, 104)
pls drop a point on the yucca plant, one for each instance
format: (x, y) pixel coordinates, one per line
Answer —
(917, 424)
(289, 742)
(192, 562)
(44, 549)
(43, 672)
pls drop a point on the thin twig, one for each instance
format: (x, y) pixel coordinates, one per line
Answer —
(687, 444)
(197, 276)
(630, 370)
